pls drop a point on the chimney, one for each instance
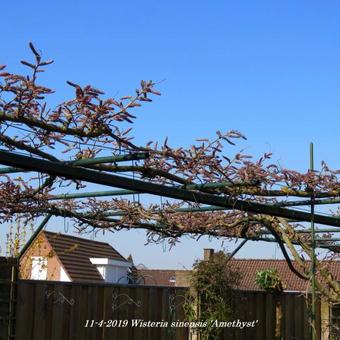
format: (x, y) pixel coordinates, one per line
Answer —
(208, 254)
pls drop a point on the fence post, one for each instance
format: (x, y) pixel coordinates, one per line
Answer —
(8, 278)
(325, 318)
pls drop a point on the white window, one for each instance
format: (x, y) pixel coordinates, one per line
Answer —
(39, 268)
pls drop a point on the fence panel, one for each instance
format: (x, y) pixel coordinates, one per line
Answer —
(71, 311)
(260, 306)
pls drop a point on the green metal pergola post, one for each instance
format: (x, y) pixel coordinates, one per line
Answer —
(313, 271)
(236, 250)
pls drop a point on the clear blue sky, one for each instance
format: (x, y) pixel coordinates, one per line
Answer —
(269, 69)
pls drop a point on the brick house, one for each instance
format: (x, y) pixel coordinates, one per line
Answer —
(60, 257)
(248, 269)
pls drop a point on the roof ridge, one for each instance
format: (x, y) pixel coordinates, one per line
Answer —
(85, 240)
(259, 259)
(278, 260)
(75, 237)
(163, 270)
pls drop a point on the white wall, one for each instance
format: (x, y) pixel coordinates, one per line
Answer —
(116, 274)
(112, 271)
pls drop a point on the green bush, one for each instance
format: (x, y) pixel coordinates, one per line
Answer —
(211, 290)
(269, 280)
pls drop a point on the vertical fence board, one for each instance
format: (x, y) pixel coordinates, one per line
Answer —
(298, 310)
(23, 330)
(74, 315)
(58, 311)
(82, 332)
(131, 307)
(155, 312)
(71, 330)
(318, 319)
(252, 307)
(306, 322)
(239, 305)
(30, 312)
(92, 311)
(48, 310)
(288, 312)
(99, 308)
(68, 308)
(150, 305)
(107, 332)
(183, 333)
(39, 312)
(137, 307)
(123, 309)
(170, 314)
(269, 312)
(8, 292)
(260, 328)
(164, 313)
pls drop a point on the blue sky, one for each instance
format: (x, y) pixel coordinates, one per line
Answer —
(269, 69)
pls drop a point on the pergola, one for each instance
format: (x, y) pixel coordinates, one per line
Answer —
(89, 118)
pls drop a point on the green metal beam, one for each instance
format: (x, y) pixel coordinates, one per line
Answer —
(79, 173)
(263, 237)
(319, 240)
(308, 202)
(212, 208)
(236, 250)
(93, 194)
(88, 161)
(213, 185)
(110, 159)
(267, 239)
(10, 170)
(318, 231)
(202, 209)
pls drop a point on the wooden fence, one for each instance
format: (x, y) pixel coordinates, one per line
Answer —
(59, 311)
(260, 306)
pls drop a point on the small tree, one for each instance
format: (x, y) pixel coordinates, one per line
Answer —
(270, 281)
(17, 236)
(211, 294)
